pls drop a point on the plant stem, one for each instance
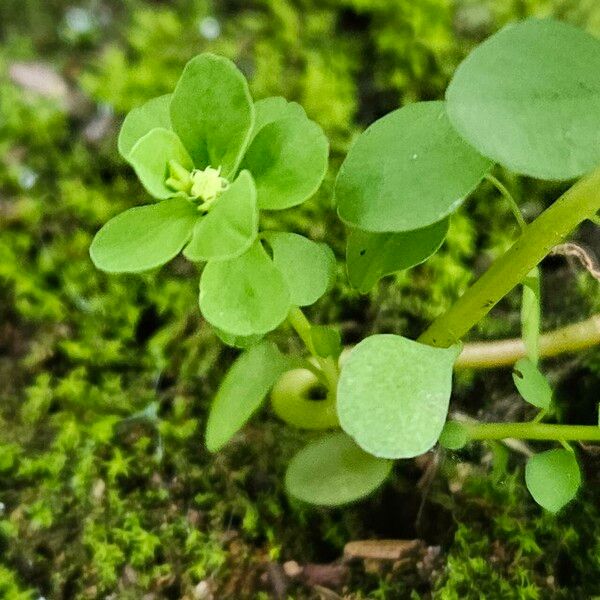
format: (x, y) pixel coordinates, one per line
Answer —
(578, 203)
(501, 353)
(531, 431)
(328, 366)
(514, 207)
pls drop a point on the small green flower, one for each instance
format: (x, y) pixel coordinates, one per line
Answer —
(213, 158)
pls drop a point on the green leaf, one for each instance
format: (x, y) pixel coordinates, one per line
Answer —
(393, 395)
(288, 160)
(142, 120)
(529, 98)
(150, 157)
(326, 341)
(273, 109)
(553, 478)
(333, 470)
(531, 383)
(212, 112)
(246, 295)
(308, 267)
(531, 314)
(408, 170)
(230, 227)
(238, 341)
(143, 237)
(242, 391)
(454, 436)
(371, 256)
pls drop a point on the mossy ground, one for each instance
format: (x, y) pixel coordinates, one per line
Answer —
(105, 488)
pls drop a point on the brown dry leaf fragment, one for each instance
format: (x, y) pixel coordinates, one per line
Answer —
(393, 550)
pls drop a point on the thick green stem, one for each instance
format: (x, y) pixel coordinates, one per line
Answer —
(577, 204)
(531, 431)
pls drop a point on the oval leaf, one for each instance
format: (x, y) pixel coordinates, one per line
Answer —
(531, 383)
(529, 98)
(273, 109)
(454, 436)
(142, 120)
(393, 395)
(288, 160)
(246, 295)
(334, 470)
(308, 267)
(371, 256)
(408, 170)
(212, 112)
(150, 158)
(143, 237)
(242, 391)
(553, 478)
(230, 228)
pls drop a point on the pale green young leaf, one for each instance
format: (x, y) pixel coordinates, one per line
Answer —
(393, 395)
(454, 436)
(308, 267)
(531, 314)
(333, 470)
(142, 120)
(143, 237)
(553, 478)
(212, 112)
(230, 227)
(529, 98)
(408, 170)
(246, 295)
(371, 256)
(273, 109)
(327, 341)
(531, 383)
(150, 158)
(288, 160)
(242, 391)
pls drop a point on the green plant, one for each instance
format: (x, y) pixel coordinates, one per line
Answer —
(528, 99)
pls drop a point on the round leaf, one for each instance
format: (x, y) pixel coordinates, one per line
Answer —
(334, 470)
(529, 98)
(553, 478)
(454, 436)
(288, 160)
(143, 237)
(531, 383)
(308, 267)
(408, 170)
(212, 112)
(142, 120)
(371, 256)
(230, 228)
(150, 158)
(242, 391)
(393, 395)
(272, 109)
(246, 295)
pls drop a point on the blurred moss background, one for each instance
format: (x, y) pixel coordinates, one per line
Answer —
(106, 490)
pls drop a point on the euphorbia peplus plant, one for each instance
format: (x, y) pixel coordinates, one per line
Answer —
(528, 99)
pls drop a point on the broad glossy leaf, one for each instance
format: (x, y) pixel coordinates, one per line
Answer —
(393, 395)
(333, 470)
(246, 295)
(150, 158)
(288, 160)
(408, 170)
(531, 383)
(242, 391)
(273, 109)
(529, 98)
(553, 478)
(143, 237)
(308, 267)
(293, 401)
(371, 256)
(142, 120)
(230, 228)
(212, 112)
